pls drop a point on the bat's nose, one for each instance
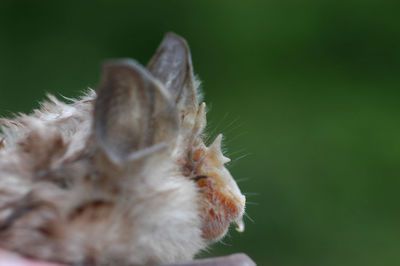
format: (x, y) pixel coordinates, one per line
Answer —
(239, 225)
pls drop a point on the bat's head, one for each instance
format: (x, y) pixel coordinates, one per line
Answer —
(163, 107)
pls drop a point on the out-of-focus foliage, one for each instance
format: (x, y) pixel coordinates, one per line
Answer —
(308, 94)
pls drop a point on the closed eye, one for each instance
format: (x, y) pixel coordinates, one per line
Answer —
(198, 177)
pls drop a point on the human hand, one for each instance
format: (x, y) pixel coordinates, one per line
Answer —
(238, 259)
(8, 258)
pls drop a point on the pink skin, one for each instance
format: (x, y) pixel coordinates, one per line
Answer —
(8, 258)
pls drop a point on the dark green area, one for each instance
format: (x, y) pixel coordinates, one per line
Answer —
(308, 95)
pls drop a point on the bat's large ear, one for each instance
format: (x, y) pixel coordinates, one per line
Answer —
(172, 66)
(133, 115)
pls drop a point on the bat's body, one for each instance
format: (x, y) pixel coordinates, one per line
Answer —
(121, 176)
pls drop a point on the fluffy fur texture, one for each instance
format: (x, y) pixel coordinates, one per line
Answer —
(121, 177)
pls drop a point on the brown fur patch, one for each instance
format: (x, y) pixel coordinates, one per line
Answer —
(91, 211)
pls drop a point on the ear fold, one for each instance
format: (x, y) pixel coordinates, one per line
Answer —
(172, 66)
(133, 114)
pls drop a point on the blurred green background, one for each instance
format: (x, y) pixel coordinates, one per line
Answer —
(307, 96)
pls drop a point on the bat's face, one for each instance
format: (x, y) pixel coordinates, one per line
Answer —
(221, 200)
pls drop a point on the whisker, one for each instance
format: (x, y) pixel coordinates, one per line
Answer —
(234, 161)
(207, 250)
(248, 217)
(233, 131)
(242, 180)
(229, 140)
(220, 127)
(228, 127)
(220, 120)
(225, 116)
(236, 152)
(251, 193)
(225, 244)
(252, 203)
(242, 156)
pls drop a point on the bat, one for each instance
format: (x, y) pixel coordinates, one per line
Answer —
(120, 176)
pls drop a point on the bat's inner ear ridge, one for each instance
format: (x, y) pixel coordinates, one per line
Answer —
(172, 66)
(134, 114)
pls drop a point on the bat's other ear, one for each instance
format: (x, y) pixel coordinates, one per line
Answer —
(134, 115)
(172, 66)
